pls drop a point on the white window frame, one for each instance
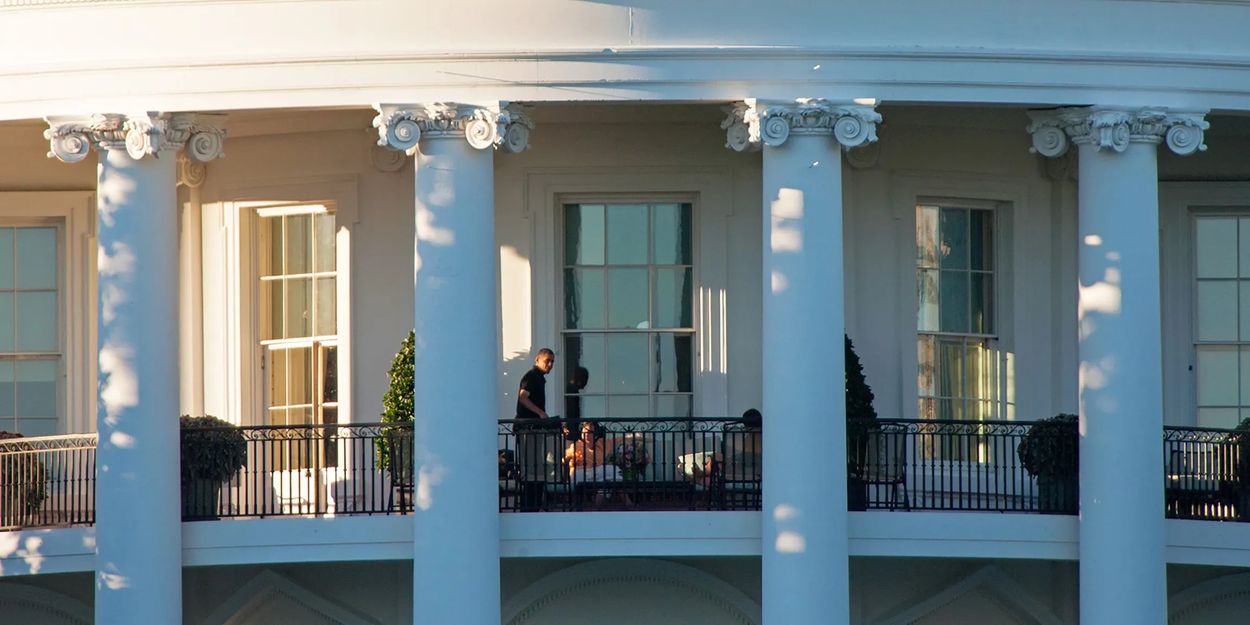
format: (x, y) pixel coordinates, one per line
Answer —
(242, 378)
(1195, 213)
(74, 214)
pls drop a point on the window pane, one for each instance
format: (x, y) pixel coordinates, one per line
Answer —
(323, 233)
(36, 322)
(583, 234)
(982, 303)
(628, 407)
(927, 236)
(37, 427)
(271, 301)
(36, 388)
(950, 368)
(36, 258)
(627, 363)
(583, 298)
(329, 375)
(1244, 309)
(953, 227)
(6, 390)
(585, 350)
(1217, 311)
(274, 261)
(594, 407)
(627, 298)
(627, 234)
(298, 237)
(672, 407)
(1243, 246)
(1244, 376)
(327, 296)
(953, 299)
(927, 297)
(982, 371)
(673, 298)
(1217, 376)
(1217, 417)
(299, 375)
(981, 239)
(671, 226)
(298, 304)
(6, 322)
(673, 363)
(947, 409)
(277, 377)
(1216, 247)
(927, 365)
(6, 259)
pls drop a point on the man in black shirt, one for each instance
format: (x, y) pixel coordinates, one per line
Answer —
(536, 450)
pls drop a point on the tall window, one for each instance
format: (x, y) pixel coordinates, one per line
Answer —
(958, 372)
(1222, 319)
(628, 312)
(299, 330)
(30, 343)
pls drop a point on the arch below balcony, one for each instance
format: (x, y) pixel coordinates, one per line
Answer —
(271, 598)
(36, 606)
(1221, 600)
(988, 595)
(631, 590)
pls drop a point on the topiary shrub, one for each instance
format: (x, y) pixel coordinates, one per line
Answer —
(860, 424)
(23, 482)
(1049, 452)
(397, 408)
(213, 450)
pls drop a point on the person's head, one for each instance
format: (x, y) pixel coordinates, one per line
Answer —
(578, 379)
(545, 360)
(591, 431)
(752, 418)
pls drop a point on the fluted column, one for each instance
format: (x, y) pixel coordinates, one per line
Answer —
(138, 512)
(456, 539)
(1122, 568)
(805, 544)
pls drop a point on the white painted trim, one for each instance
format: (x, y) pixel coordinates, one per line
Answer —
(609, 534)
(1005, 590)
(709, 190)
(66, 609)
(48, 551)
(694, 582)
(75, 212)
(1181, 604)
(254, 594)
(279, 540)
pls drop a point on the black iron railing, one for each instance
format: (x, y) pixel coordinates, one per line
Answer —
(1206, 473)
(629, 464)
(308, 470)
(47, 481)
(903, 464)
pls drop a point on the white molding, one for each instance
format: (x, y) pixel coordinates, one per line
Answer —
(1181, 604)
(1004, 590)
(267, 585)
(65, 609)
(693, 582)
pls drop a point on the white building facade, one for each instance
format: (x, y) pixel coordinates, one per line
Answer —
(1013, 211)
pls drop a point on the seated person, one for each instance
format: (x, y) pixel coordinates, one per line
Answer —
(587, 457)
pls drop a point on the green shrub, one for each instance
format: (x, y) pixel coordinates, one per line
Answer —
(1050, 447)
(397, 406)
(23, 482)
(212, 449)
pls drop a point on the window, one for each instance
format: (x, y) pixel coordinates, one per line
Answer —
(1222, 319)
(30, 340)
(958, 370)
(299, 331)
(628, 311)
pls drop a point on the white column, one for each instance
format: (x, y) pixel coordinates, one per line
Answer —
(190, 288)
(1122, 568)
(805, 546)
(456, 539)
(138, 524)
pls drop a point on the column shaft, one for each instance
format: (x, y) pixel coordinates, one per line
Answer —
(1122, 570)
(138, 524)
(805, 577)
(456, 555)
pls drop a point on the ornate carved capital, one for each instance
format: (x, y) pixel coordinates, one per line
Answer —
(751, 124)
(1112, 128)
(151, 134)
(402, 127)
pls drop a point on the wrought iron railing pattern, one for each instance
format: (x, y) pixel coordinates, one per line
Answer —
(47, 481)
(1207, 473)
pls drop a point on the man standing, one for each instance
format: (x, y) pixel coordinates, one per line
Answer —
(537, 449)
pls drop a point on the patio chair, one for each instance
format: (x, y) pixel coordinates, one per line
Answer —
(738, 474)
(885, 464)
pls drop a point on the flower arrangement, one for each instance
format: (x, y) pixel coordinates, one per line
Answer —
(631, 457)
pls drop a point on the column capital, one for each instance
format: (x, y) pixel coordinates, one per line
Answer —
(504, 126)
(1115, 128)
(751, 124)
(141, 135)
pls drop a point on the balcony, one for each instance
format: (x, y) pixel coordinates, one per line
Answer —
(628, 465)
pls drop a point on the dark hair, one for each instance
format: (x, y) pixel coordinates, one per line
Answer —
(546, 351)
(578, 379)
(752, 418)
(595, 427)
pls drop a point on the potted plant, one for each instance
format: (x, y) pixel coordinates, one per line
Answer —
(394, 447)
(860, 418)
(23, 482)
(213, 451)
(631, 457)
(1049, 452)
